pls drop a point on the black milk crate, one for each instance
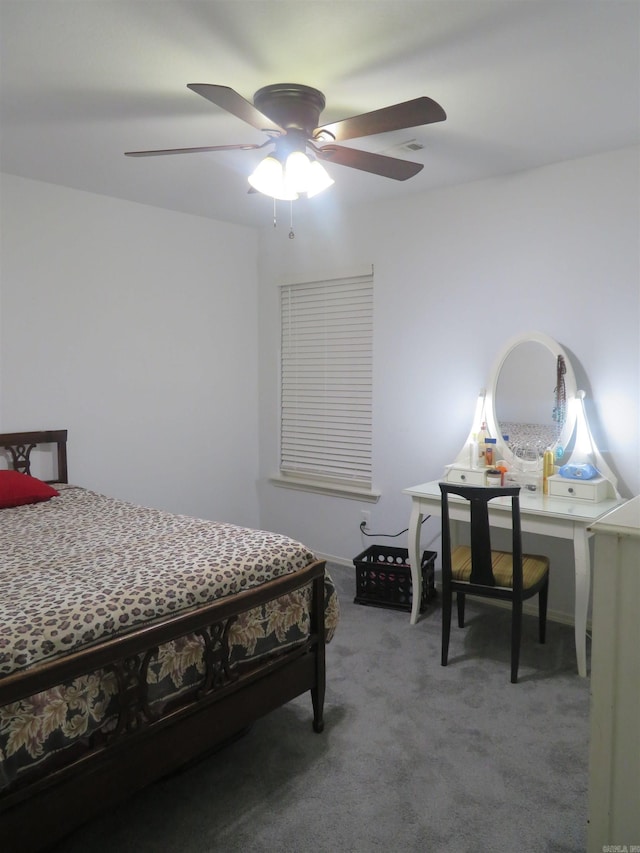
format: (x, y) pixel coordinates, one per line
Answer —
(383, 578)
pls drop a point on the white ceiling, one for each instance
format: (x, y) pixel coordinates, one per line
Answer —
(524, 83)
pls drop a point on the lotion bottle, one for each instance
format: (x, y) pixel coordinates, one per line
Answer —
(482, 436)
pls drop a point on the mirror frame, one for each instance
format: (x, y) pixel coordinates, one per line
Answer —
(490, 417)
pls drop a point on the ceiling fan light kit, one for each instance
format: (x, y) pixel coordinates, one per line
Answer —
(288, 180)
(289, 113)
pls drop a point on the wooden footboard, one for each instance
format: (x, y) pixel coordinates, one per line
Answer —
(143, 747)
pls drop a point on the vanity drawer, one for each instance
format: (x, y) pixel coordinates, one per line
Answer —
(466, 476)
(586, 490)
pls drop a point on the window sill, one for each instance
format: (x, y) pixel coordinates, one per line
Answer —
(336, 490)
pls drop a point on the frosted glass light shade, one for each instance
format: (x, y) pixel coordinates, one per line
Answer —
(269, 178)
(318, 179)
(296, 171)
(298, 175)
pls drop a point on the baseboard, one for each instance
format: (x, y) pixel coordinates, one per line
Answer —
(529, 607)
(340, 561)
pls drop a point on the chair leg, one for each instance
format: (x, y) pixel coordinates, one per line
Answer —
(516, 632)
(460, 600)
(543, 596)
(446, 623)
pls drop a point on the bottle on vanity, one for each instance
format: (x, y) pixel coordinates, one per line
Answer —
(490, 452)
(473, 451)
(483, 435)
(548, 470)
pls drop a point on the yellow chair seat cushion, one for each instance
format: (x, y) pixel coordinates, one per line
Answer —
(534, 567)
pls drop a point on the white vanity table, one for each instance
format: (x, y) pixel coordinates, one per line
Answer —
(571, 506)
(542, 514)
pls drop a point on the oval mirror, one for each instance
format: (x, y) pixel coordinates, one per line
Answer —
(530, 384)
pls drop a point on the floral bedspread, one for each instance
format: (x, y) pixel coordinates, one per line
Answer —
(82, 567)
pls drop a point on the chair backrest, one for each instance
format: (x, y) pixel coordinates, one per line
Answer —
(481, 563)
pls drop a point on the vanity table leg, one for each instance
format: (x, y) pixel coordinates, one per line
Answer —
(415, 523)
(583, 582)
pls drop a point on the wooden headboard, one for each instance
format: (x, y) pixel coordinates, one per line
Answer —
(20, 444)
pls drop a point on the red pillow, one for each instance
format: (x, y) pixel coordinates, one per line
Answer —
(18, 489)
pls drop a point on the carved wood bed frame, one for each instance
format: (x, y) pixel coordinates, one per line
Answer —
(144, 747)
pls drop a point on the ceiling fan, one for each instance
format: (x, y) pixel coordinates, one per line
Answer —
(289, 112)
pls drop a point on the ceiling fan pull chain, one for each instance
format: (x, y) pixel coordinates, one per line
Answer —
(291, 231)
(274, 213)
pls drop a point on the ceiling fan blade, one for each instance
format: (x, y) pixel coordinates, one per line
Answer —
(366, 161)
(232, 102)
(193, 150)
(408, 114)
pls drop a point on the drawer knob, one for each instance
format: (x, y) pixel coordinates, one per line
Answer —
(570, 490)
(463, 476)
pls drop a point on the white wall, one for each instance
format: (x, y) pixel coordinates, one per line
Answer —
(457, 272)
(136, 329)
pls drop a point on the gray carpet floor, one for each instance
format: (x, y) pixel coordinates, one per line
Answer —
(414, 756)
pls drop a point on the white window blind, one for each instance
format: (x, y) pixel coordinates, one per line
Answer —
(326, 380)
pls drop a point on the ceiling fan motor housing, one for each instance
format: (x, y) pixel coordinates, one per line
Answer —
(291, 105)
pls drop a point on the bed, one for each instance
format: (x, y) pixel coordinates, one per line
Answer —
(134, 641)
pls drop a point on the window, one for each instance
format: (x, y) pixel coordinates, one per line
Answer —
(326, 385)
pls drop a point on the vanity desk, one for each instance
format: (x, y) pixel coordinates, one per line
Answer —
(545, 515)
(561, 507)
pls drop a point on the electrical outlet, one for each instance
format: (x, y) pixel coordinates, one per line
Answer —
(365, 518)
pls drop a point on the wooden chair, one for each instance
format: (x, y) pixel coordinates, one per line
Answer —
(477, 570)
